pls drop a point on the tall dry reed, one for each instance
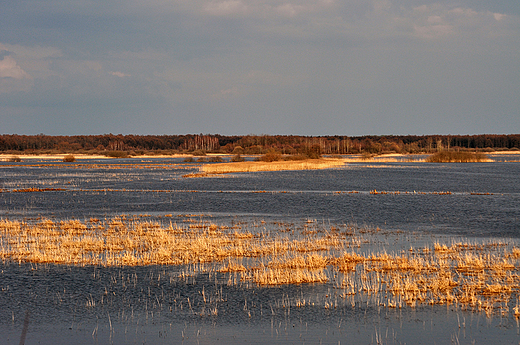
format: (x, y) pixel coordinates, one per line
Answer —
(481, 277)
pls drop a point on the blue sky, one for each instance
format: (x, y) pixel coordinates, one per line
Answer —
(303, 67)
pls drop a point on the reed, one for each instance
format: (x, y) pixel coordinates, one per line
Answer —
(69, 158)
(235, 167)
(270, 276)
(457, 157)
(15, 159)
(480, 277)
(384, 158)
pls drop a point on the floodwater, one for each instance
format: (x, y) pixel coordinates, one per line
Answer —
(411, 202)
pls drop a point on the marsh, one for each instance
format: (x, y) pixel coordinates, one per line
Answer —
(420, 209)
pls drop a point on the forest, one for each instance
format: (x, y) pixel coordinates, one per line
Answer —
(254, 144)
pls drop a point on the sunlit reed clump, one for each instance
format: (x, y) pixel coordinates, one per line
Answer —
(310, 164)
(473, 276)
(457, 157)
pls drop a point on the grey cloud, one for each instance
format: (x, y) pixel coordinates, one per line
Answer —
(237, 66)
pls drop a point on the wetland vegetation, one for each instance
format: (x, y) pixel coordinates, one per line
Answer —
(479, 276)
(121, 146)
(131, 251)
(256, 166)
(457, 157)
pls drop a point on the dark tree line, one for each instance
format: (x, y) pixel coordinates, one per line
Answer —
(290, 144)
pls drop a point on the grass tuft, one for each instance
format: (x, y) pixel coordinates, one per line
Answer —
(15, 159)
(116, 154)
(237, 158)
(69, 158)
(456, 157)
(309, 164)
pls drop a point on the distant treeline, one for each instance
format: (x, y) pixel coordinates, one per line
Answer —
(255, 144)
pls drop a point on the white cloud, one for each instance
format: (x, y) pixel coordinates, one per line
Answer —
(498, 16)
(35, 61)
(228, 7)
(439, 21)
(12, 77)
(36, 52)
(432, 31)
(119, 74)
(10, 69)
(264, 9)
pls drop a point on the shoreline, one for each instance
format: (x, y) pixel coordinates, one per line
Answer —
(397, 157)
(5, 157)
(503, 153)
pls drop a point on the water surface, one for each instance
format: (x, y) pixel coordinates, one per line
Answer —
(158, 304)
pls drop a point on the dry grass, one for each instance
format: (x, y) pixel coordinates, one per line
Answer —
(5, 157)
(385, 158)
(133, 241)
(481, 277)
(69, 158)
(457, 157)
(310, 164)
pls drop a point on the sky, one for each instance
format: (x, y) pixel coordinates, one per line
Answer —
(237, 67)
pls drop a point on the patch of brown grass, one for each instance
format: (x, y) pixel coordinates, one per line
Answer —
(235, 167)
(457, 157)
(479, 277)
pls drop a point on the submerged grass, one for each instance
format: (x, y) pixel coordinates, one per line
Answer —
(473, 276)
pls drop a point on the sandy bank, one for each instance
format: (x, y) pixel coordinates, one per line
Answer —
(503, 153)
(386, 158)
(7, 157)
(60, 156)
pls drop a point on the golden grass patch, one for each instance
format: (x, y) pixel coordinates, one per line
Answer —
(472, 276)
(234, 167)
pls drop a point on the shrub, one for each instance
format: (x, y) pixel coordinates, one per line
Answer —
(313, 152)
(189, 160)
(254, 150)
(199, 153)
(303, 156)
(237, 158)
(69, 158)
(298, 157)
(216, 159)
(456, 157)
(366, 155)
(116, 154)
(270, 156)
(201, 159)
(15, 159)
(238, 150)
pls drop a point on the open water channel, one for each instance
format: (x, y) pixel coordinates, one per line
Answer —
(409, 201)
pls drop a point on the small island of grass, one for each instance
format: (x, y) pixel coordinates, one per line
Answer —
(308, 164)
(457, 157)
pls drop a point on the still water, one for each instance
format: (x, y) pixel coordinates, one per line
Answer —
(484, 197)
(162, 305)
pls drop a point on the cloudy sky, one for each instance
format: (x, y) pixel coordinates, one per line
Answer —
(307, 67)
